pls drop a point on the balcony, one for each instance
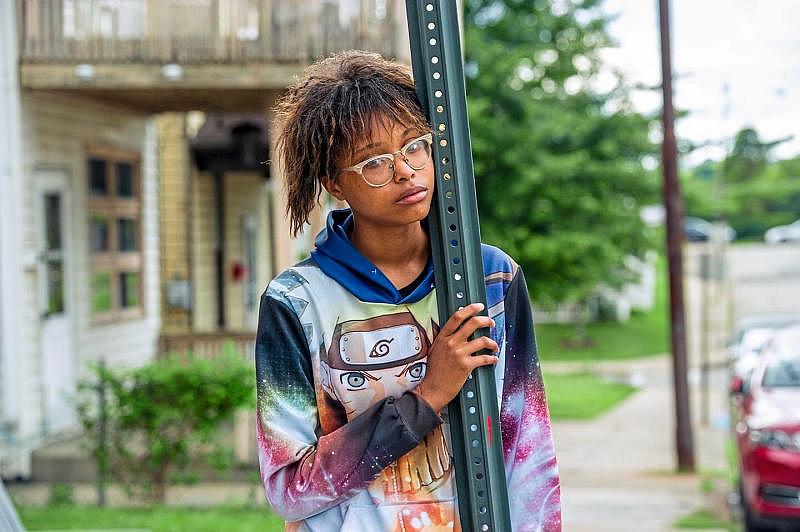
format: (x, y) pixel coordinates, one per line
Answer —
(193, 54)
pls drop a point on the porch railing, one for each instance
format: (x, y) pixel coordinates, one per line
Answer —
(201, 31)
(208, 345)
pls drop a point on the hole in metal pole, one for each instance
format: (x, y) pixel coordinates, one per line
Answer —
(453, 227)
(434, 60)
(432, 41)
(456, 260)
(431, 25)
(440, 109)
(438, 94)
(457, 276)
(448, 194)
(442, 127)
(443, 142)
(429, 7)
(436, 75)
(460, 295)
(451, 209)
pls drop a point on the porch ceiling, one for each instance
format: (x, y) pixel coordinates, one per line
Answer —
(224, 88)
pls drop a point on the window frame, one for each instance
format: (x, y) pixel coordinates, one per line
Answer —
(114, 207)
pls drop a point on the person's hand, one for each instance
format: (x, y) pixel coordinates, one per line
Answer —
(451, 360)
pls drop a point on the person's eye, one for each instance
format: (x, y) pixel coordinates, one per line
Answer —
(415, 146)
(355, 380)
(376, 164)
(417, 371)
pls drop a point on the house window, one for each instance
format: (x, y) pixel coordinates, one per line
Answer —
(115, 213)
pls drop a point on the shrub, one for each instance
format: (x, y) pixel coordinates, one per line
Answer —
(161, 416)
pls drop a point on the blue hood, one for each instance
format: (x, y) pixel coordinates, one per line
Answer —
(336, 256)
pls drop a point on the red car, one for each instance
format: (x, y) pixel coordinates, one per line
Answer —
(768, 435)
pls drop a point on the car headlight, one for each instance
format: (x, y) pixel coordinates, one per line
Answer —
(776, 439)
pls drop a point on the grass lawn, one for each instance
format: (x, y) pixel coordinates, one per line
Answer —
(703, 520)
(582, 395)
(646, 333)
(157, 519)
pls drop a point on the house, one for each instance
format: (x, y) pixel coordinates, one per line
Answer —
(137, 214)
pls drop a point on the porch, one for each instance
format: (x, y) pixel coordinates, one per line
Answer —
(179, 55)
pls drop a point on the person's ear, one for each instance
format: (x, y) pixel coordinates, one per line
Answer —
(333, 188)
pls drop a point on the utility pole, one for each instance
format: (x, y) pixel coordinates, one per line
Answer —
(674, 209)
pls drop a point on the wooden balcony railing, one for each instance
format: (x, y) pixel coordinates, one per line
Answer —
(202, 31)
(208, 345)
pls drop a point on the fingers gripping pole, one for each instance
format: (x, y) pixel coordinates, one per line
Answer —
(455, 243)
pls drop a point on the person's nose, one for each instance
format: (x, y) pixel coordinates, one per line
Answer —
(402, 170)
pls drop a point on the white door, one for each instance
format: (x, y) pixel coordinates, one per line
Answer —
(58, 363)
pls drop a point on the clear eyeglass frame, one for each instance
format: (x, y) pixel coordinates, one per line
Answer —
(359, 168)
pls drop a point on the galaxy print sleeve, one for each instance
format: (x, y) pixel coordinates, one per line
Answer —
(303, 471)
(530, 460)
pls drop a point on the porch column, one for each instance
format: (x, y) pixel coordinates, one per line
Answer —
(10, 250)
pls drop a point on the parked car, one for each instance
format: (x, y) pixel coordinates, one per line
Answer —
(768, 436)
(699, 230)
(783, 233)
(750, 336)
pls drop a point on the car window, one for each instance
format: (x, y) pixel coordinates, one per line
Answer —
(782, 373)
(754, 340)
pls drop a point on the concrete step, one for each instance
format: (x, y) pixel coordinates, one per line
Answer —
(69, 460)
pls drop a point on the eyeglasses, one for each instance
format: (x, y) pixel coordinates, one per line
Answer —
(379, 170)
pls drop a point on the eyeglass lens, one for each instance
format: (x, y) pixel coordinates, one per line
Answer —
(381, 170)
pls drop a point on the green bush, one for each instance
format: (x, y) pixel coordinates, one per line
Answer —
(61, 495)
(161, 416)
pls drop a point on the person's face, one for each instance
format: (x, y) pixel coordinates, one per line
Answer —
(405, 199)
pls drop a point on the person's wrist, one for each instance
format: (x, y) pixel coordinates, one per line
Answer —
(429, 398)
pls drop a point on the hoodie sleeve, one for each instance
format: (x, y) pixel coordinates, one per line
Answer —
(530, 460)
(303, 471)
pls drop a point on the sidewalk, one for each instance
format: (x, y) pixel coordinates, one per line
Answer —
(617, 471)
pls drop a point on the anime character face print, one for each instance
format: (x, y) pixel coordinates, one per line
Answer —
(369, 360)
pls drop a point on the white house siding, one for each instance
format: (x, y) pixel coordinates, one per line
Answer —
(11, 464)
(56, 131)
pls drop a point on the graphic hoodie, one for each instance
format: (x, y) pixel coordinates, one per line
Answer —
(344, 442)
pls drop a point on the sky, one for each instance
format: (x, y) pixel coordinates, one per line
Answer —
(752, 47)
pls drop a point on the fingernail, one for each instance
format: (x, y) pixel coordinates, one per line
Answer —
(479, 306)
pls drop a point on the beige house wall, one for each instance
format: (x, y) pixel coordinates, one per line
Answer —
(245, 195)
(174, 167)
(204, 294)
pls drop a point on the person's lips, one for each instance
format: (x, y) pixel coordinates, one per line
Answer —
(413, 195)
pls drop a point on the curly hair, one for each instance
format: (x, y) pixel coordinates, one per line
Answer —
(330, 109)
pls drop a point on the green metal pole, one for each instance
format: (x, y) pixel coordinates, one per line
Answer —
(455, 242)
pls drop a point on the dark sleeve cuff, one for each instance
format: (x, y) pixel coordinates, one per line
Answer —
(417, 415)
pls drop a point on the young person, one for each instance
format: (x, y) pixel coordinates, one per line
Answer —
(354, 364)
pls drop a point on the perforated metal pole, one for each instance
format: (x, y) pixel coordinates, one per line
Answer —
(455, 241)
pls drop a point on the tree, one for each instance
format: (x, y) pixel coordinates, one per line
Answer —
(749, 156)
(558, 165)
